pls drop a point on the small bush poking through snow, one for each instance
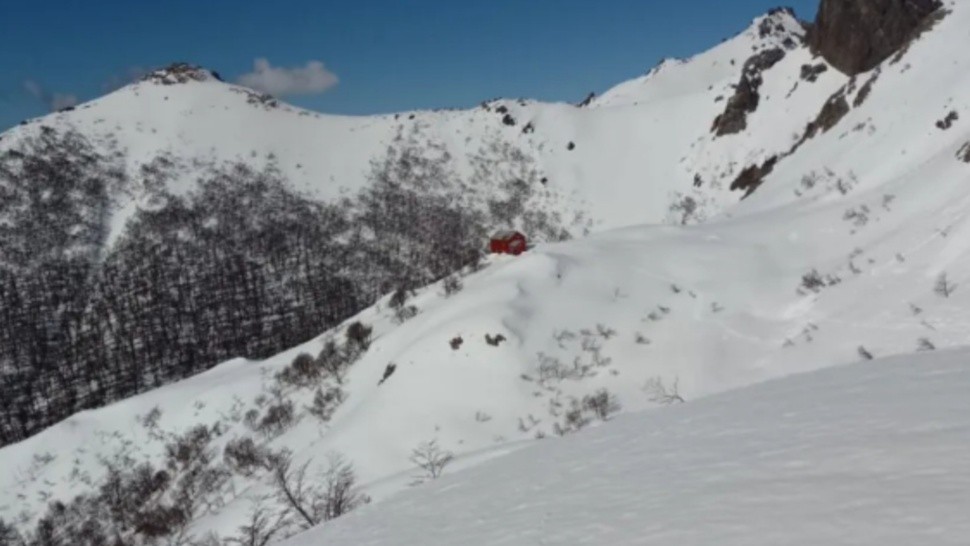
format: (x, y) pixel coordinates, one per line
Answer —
(325, 402)
(304, 371)
(602, 404)
(278, 418)
(659, 393)
(943, 286)
(358, 335)
(244, 457)
(452, 285)
(431, 459)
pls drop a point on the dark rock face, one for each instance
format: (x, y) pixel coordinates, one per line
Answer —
(752, 176)
(948, 121)
(810, 73)
(831, 114)
(746, 96)
(964, 153)
(856, 35)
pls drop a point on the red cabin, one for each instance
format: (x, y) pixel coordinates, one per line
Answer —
(508, 242)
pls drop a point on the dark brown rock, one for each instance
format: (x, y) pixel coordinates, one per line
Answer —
(746, 96)
(810, 72)
(753, 176)
(948, 121)
(865, 90)
(856, 35)
(831, 114)
(964, 153)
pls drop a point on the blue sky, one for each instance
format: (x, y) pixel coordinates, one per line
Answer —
(388, 55)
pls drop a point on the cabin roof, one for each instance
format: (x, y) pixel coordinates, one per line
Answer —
(507, 234)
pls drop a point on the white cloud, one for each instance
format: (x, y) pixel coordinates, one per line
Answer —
(311, 79)
(54, 101)
(34, 89)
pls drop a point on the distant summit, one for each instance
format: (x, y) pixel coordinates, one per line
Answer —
(179, 73)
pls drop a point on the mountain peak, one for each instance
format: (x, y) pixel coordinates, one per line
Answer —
(179, 73)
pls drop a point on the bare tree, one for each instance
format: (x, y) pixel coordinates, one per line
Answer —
(943, 286)
(430, 458)
(315, 503)
(262, 525)
(293, 489)
(659, 393)
(340, 493)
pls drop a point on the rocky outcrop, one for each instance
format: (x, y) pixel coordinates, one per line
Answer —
(746, 96)
(178, 73)
(856, 35)
(948, 121)
(752, 176)
(831, 114)
(964, 153)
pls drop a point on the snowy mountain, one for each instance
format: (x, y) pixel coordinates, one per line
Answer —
(752, 213)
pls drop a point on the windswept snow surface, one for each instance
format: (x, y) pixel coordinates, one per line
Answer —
(872, 454)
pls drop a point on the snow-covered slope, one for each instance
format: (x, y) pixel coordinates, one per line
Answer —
(872, 453)
(833, 259)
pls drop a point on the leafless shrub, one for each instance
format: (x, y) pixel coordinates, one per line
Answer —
(402, 311)
(605, 331)
(325, 403)
(262, 526)
(574, 419)
(924, 345)
(659, 393)
(602, 404)
(278, 418)
(495, 340)
(456, 342)
(864, 353)
(452, 285)
(358, 336)
(312, 504)
(244, 457)
(304, 371)
(335, 360)
(943, 286)
(812, 281)
(431, 459)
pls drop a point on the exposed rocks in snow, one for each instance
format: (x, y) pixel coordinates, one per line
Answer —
(587, 101)
(178, 73)
(865, 90)
(856, 35)
(752, 177)
(948, 121)
(832, 112)
(746, 96)
(256, 98)
(811, 72)
(964, 153)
